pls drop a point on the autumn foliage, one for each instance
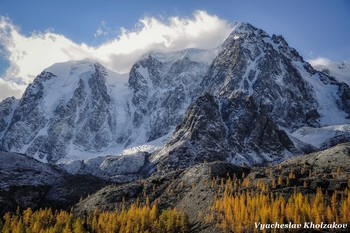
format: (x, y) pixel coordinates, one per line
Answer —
(235, 211)
(137, 218)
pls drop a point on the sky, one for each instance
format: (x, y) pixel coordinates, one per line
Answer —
(36, 34)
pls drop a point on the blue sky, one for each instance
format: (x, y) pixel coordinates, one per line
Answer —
(316, 28)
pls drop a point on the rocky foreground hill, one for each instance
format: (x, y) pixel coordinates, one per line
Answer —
(192, 190)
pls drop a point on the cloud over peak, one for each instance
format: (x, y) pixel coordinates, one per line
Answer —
(29, 55)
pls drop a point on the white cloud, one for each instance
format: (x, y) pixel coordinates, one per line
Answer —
(29, 55)
(320, 61)
(10, 88)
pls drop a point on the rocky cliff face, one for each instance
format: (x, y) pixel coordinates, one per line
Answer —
(162, 88)
(7, 107)
(199, 137)
(276, 77)
(219, 129)
(258, 91)
(48, 119)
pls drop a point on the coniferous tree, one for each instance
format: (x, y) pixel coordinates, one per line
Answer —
(237, 211)
(138, 218)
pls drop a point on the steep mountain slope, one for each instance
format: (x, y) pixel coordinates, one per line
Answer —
(219, 129)
(163, 86)
(80, 109)
(278, 79)
(66, 108)
(7, 107)
(258, 92)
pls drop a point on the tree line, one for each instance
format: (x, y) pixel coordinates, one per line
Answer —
(137, 218)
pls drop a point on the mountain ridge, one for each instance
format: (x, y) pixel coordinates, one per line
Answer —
(281, 94)
(93, 111)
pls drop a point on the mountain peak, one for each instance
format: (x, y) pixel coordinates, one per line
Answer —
(245, 34)
(243, 27)
(68, 68)
(247, 28)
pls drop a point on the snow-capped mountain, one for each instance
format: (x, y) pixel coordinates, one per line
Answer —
(68, 107)
(277, 78)
(253, 100)
(80, 109)
(163, 86)
(259, 95)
